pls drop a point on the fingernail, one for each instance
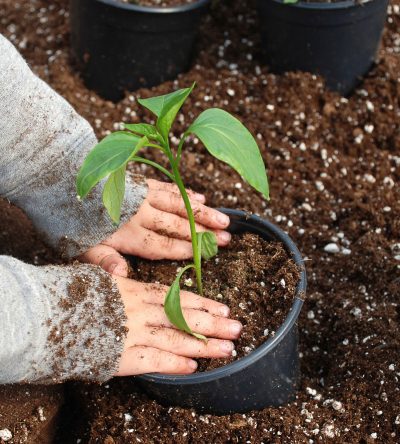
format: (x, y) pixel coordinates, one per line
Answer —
(226, 347)
(120, 270)
(223, 219)
(200, 197)
(225, 236)
(224, 311)
(192, 365)
(235, 328)
(112, 268)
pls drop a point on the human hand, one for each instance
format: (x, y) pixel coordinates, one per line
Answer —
(159, 230)
(153, 345)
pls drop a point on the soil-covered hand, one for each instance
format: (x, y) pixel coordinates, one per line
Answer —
(159, 230)
(154, 345)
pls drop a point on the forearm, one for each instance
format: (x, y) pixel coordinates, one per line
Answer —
(43, 144)
(58, 323)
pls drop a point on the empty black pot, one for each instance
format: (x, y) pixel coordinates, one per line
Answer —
(120, 46)
(336, 40)
(269, 376)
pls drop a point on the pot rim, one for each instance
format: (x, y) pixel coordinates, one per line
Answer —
(155, 10)
(269, 344)
(344, 4)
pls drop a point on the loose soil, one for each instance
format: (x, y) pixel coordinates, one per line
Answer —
(334, 169)
(255, 278)
(30, 413)
(159, 3)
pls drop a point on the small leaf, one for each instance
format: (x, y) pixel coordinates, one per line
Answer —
(172, 306)
(106, 157)
(207, 244)
(143, 129)
(166, 108)
(227, 139)
(113, 194)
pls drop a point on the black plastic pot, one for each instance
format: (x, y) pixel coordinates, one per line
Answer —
(269, 376)
(120, 46)
(337, 40)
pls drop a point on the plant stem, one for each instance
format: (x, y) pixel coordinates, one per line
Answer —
(180, 146)
(155, 165)
(189, 211)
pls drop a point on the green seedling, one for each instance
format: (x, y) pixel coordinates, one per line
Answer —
(225, 138)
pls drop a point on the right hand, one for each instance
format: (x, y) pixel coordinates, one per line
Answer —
(153, 345)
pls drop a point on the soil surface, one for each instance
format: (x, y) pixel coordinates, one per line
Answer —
(334, 168)
(159, 3)
(30, 413)
(255, 278)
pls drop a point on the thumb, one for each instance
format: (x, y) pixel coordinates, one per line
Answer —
(107, 258)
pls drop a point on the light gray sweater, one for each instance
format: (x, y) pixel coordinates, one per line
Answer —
(56, 323)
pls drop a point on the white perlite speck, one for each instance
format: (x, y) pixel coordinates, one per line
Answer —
(332, 248)
(188, 282)
(356, 312)
(42, 418)
(128, 417)
(329, 430)
(337, 405)
(5, 435)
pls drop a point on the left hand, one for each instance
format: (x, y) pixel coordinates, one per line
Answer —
(159, 230)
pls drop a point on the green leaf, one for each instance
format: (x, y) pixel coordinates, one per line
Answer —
(207, 244)
(287, 2)
(144, 129)
(227, 139)
(113, 194)
(141, 143)
(109, 155)
(166, 108)
(173, 308)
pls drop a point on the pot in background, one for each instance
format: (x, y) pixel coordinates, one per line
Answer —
(269, 376)
(336, 40)
(120, 46)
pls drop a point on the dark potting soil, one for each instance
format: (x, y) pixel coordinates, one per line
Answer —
(255, 278)
(334, 172)
(30, 413)
(159, 3)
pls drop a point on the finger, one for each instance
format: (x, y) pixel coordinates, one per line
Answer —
(173, 203)
(182, 344)
(198, 321)
(107, 258)
(139, 360)
(177, 227)
(156, 246)
(150, 245)
(171, 187)
(156, 295)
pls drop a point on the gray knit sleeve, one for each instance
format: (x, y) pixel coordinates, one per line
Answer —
(42, 145)
(58, 323)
